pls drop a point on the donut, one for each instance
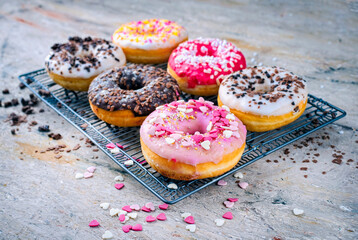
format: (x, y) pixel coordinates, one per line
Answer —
(74, 64)
(200, 65)
(125, 96)
(264, 98)
(192, 140)
(149, 41)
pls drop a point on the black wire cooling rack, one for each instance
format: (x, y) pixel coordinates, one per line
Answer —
(74, 107)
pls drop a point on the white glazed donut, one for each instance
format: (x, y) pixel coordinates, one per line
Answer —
(264, 98)
(76, 63)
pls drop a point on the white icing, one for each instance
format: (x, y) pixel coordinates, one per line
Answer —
(283, 105)
(106, 60)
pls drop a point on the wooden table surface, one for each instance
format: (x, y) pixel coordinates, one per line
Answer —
(41, 199)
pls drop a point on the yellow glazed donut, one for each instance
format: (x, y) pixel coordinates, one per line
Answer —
(264, 98)
(149, 41)
(74, 64)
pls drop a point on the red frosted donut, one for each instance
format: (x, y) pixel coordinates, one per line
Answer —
(200, 65)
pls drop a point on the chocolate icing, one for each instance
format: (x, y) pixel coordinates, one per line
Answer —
(136, 87)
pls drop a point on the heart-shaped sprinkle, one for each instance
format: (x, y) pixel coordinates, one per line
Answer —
(104, 205)
(227, 133)
(189, 219)
(145, 209)
(127, 208)
(164, 206)
(91, 169)
(173, 186)
(150, 218)
(150, 205)
(128, 163)
(230, 116)
(132, 215)
(110, 146)
(185, 215)
(297, 211)
(206, 144)
(107, 235)
(135, 207)
(219, 222)
(222, 182)
(119, 185)
(229, 204)
(238, 175)
(113, 211)
(227, 215)
(233, 199)
(203, 109)
(126, 228)
(225, 108)
(191, 228)
(170, 140)
(243, 185)
(126, 218)
(137, 227)
(93, 223)
(119, 178)
(115, 150)
(79, 175)
(122, 217)
(120, 146)
(87, 175)
(161, 217)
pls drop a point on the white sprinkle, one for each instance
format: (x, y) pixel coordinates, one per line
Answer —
(185, 215)
(188, 110)
(211, 76)
(344, 208)
(115, 150)
(219, 222)
(181, 109)
(225, 108)
(119, 178)
(107, 235)
(297, 211)
(122, 212)
(203, 109)
(152, 120)
(239, 175)
(341, 132)
(114, 211)
(79, 175)
(132, 215)
(205, 144)
(158, 133)
(216, 73)
(126, 218)
(170, 140)
(128, 163)
(230, 116)
(227, 133)
(208, 70)
(104, 205)
(172, 186)
(209, 127)
(191, 227)
(160, 107)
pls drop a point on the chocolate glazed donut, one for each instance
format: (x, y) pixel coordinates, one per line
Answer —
(125, 96)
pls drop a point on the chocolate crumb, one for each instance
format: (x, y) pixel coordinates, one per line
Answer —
(58, 156)
(44, 128)
(54, 136)
(305, 176)
(337, 161)
(303, 168)
(84, 126)
(44, 93)
(13, 132)
(6, 91)
(76, 147)
(22, 86)
(323, 172)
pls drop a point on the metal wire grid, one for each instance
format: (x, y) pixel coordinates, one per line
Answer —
(74, 107)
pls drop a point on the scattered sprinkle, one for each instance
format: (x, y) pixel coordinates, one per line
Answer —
(219, 222)
(150, 218)
(297, 211)
(127, 208)
(227, 215)
(185, 215)
(163, 206)
(91, 169)
(104, 205)
(189, 220)
(119, 178)
(132, 215)
(87, 175)
(107, 235)
(114, 211)
(229, 204)
(150, 206)
(222, 182)
(119, 185)
(233, 199)
(243, 185)
(79, 175)
(239, 175)
(135, 207)
(126, 228)
(128, 163)
(93, 223)
(172, 186)
(161, 217)
(191, 228)
(137, 227)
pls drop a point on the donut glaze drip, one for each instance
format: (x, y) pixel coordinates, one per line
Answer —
(149, 34)
(136, 87)
(267, 91)
(206, 61)
(83, 58)
(192, 132)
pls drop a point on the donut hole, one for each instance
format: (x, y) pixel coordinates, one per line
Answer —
(195, 125)
(262, 89)
(131, 82)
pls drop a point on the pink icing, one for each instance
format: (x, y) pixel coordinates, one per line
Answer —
(206, 61)
(185, 135)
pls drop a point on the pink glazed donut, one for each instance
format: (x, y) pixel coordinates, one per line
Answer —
(192, 140)
(200, 65)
